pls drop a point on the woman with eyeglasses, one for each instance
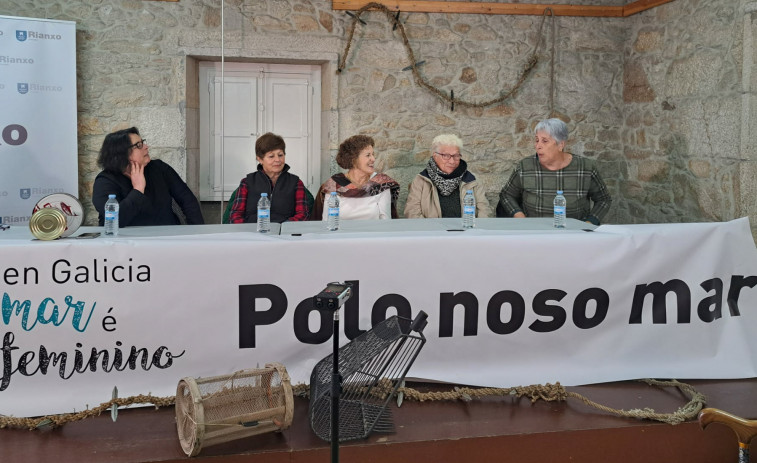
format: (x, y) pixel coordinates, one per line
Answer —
(145, 189)
(439, 189)
(363, 193)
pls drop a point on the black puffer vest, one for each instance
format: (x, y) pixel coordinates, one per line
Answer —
(282, 196)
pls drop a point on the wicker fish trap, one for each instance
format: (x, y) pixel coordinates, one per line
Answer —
(220, 409)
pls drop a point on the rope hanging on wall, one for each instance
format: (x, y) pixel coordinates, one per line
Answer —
(421, 81)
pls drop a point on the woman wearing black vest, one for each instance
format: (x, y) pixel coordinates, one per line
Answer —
(286, 191)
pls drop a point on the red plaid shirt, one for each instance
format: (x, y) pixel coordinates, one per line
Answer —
(239, 206)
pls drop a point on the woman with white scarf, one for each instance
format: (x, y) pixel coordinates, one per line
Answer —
(439, 189)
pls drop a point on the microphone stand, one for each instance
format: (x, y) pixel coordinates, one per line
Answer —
(336, 390)
(331, 299)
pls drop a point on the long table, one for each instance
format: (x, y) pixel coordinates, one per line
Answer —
(512, 301)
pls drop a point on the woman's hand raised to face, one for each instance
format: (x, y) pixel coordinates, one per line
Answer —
(136, 173)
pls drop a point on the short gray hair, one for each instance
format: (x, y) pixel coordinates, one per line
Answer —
(556, 129)
(446, 139)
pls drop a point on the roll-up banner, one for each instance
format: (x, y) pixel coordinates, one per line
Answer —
(38, 147)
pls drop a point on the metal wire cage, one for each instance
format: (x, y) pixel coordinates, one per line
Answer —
(372, 367)
(219, 409)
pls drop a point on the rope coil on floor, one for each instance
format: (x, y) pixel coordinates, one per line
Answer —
(546, 392)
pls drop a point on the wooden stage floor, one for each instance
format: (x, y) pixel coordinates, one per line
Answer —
(487, 430)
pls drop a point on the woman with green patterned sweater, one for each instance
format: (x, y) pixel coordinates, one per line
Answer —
(536, 179)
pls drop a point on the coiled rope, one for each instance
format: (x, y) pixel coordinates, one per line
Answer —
(421, 81)
(546, 392)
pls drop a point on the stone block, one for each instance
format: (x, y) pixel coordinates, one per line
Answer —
(414, 122)
(636, 87)
(389, 83)
(457, 56)
(632, 190)
(524, 141)
(211, 17)
(461, 28)
(711, 126)
(648, 40)
(89, 126)
(279, 8)
(700, 168)
(163, 126)
(482, 34)
(748, 191)
(326, 20)
(698, 74)
(389, 56)
(609, 135)
(444, 121)
(203, 39)
(440, 82)
(499, 110)
(304, 23)
(416, 18)
(750, 141)
(303, 8)
(653, 171)
(271, 24)
(419, 32)
(391, 160)
(421, 156)
(127, 97)
(376, 81)
(603, 35)
(468, 75)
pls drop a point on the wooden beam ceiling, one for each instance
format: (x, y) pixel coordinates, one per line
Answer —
(432, 6)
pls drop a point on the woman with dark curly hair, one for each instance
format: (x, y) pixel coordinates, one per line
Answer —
(363, 193)
(145, 189)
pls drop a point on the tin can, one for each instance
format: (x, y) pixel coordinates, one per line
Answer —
(48, 224)
(69, 205)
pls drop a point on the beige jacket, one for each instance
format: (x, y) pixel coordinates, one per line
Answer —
(423, 198)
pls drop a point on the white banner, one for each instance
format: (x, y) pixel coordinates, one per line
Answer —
(38, 148)
(505, 308)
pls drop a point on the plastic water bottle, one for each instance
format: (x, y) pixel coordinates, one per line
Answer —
(111, 216)
(559, 205)
(264, 213)
(469, 210)
(332, 223)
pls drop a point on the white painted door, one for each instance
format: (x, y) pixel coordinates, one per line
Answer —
(287, 113)
(257, 98)
(237, 139)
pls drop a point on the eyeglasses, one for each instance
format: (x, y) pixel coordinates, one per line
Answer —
(138, 145)
(447, 157)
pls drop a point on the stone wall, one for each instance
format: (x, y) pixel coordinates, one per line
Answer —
(479, 56)
(656, 98)
(682, 133)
